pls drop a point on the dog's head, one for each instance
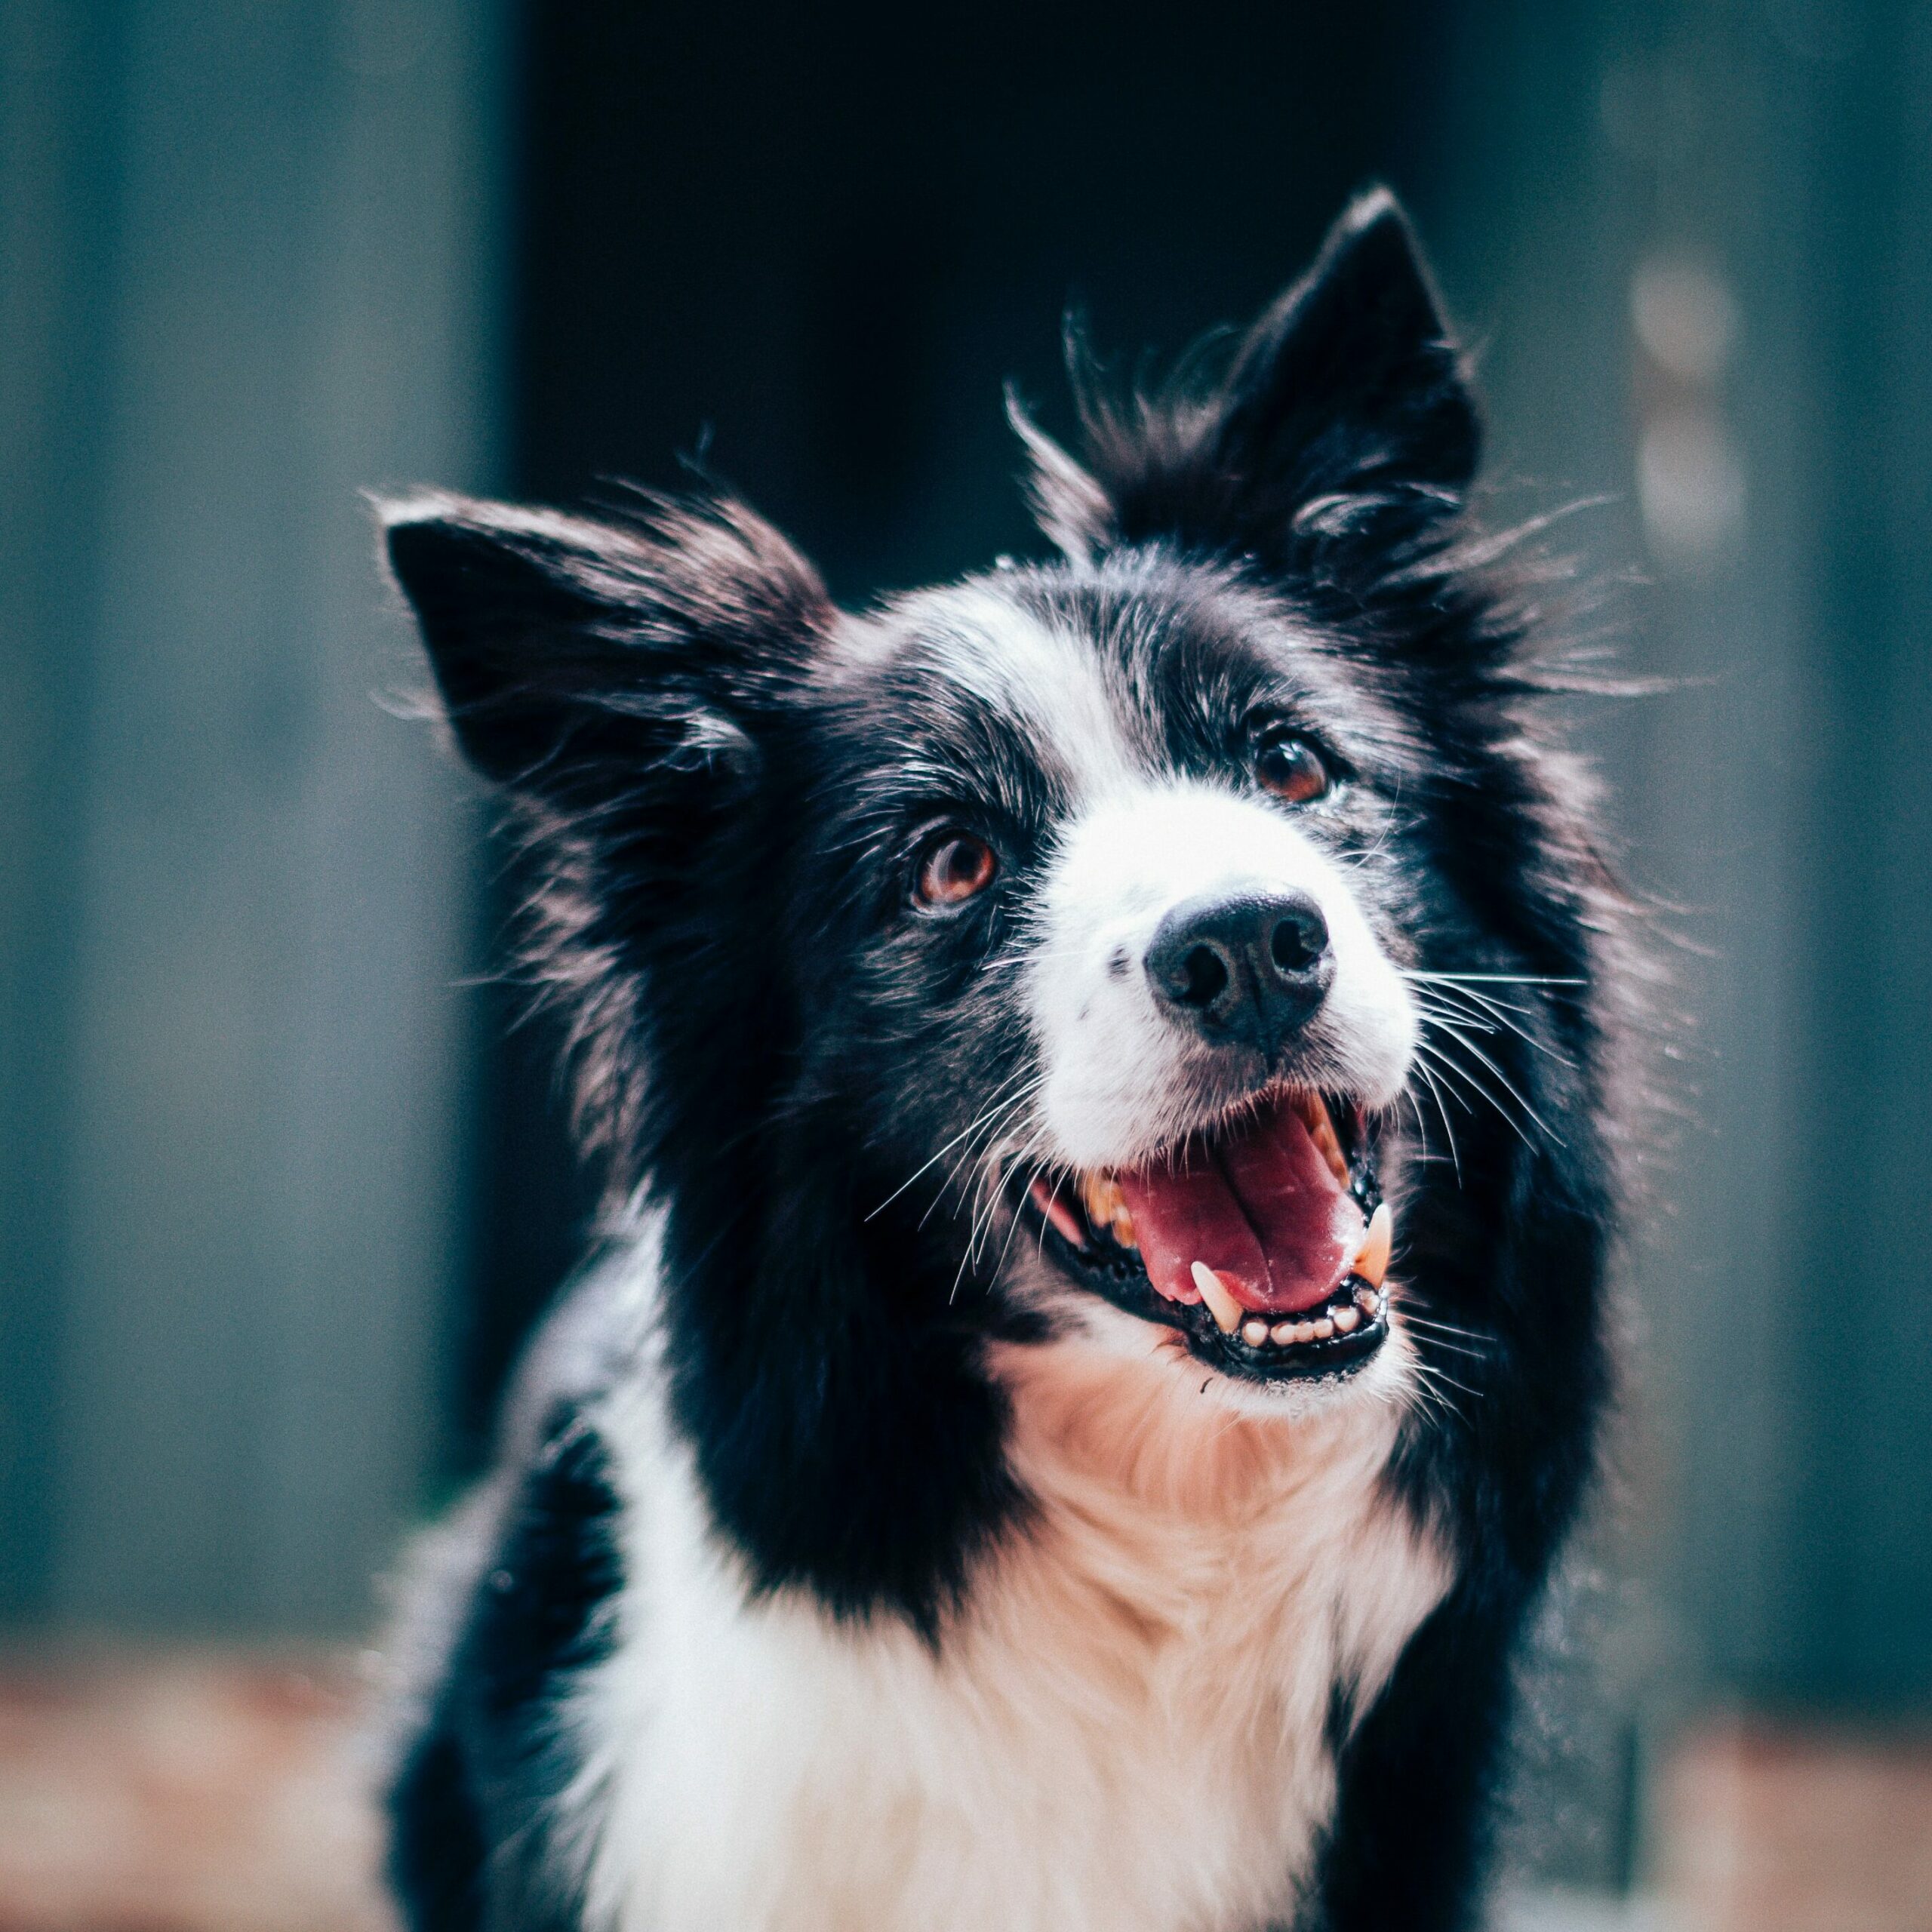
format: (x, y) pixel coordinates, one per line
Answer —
(1056, 951)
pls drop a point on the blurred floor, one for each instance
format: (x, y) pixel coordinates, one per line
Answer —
(1767, 1830)
(199, 1795)
(187, 1794)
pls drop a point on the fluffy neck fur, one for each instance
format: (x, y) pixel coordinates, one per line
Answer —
(1130, 1723)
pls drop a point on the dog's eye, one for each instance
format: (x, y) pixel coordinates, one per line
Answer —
(956, 867)
(1291, 767)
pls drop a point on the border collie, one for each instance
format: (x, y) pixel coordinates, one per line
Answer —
(1106, 1070)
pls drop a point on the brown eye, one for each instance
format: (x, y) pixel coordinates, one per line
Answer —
(957, 867)
(1291, 768)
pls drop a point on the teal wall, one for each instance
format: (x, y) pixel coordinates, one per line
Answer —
(250, 266)
(1750, 187)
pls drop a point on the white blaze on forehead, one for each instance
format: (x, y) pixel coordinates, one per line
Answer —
(1046, 682)
(1121, 1076)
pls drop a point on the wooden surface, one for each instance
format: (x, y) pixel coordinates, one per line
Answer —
(193, 1793)
(185, 1795)
(1762, 1829)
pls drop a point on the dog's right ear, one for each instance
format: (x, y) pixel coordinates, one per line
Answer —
(573, 656)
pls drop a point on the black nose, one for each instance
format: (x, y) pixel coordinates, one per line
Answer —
(1249, 969)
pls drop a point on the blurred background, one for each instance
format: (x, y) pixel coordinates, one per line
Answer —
(280, 1186)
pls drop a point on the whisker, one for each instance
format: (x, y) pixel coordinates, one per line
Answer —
(970, 1254)
(1504, 1079)
(949, 1145)
(1455, 989)
(1445, 1017)
(1388, 826)
(1460, 1080)
(1435, 1372)
(1407, 1305)
(1424, 1400)
(1497, 1011)
(1453, 1069)
(1445, 1022)
(1422, 1131)
(988, 1130)
(986, 1198)
(1441, 1342)
(1429, 1079)
(1439, 1378)
(993, 1171)
(1491, 979)
(1039, 1168)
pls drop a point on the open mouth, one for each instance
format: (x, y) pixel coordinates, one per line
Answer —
(1264, 1241)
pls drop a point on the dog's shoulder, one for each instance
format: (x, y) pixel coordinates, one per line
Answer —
(509, 1601)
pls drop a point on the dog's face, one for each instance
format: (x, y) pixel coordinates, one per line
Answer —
(1114, 868)
(1053, 951)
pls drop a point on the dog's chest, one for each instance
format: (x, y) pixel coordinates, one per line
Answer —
(1127, 1728)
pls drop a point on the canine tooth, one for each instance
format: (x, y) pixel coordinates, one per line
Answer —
(1372, 1263)
(1324, 1330)
(1254, 1332)
(1304, 1331)
(1345, 1319)
(1123, 1225)
(1327, 1143)
(1221, 1305)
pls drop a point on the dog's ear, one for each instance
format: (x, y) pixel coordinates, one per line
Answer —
(1344, 411)
(574, 656)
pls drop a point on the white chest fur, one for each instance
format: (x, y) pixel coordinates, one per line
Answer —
(1125, 1730)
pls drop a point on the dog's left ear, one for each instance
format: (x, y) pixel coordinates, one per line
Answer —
(1345, 411)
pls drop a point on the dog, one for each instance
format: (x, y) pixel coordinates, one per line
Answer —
(1108, 1073)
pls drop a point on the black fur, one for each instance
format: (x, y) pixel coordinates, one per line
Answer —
(471, 1803)
(726, 837)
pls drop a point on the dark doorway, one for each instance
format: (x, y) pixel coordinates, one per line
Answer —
(808, 252)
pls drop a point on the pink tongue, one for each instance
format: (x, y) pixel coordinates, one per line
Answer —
(1259, 1207)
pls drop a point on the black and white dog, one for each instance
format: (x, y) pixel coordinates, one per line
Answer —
(1107, 1065)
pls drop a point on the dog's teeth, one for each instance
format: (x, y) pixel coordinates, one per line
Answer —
(1282, 1334)
(1221, 1305)
(1321, 1131)
(1106, 1208)
(1304, 1331)
(1101, 1196)
(1372, 1263)
(1345, 1319)
(1324, 1330)
(1254, 1332)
